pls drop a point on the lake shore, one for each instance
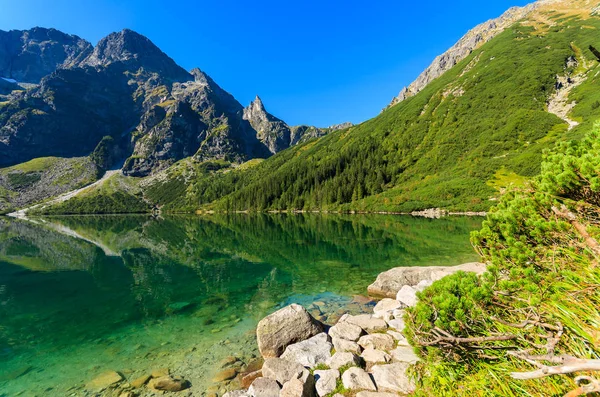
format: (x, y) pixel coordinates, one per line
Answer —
(316, 349)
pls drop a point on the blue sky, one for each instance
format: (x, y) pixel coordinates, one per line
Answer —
(317, 62)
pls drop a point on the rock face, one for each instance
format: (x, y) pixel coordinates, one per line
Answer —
(475, 38)
(274, 133)
(390, 282)
(133, 50)
(28, 55)
(285, 327)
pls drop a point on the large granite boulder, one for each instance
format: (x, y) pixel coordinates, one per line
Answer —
(393, 377)
(357, 379)
(303, 385)
(342, 359)
(377, 341)
(326, 381)
(367, 322)
(390, 282)
(371, 356)
(281, 370)
(343, 345)
(264, 387)
(285, 327)
(311, 352)
(346, 330)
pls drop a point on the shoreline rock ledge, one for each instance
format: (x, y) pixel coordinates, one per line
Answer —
(389, 283)
(365, 355)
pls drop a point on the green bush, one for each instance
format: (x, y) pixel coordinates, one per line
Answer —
(540, 278)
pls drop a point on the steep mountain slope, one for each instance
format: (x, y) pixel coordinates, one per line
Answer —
(469, 134)
(124, 98)
(29, 55)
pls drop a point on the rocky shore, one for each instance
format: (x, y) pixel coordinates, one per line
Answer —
(365, 355)
(315, 351)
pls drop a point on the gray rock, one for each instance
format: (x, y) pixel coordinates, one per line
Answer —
(399, 313)
(404, 354)
(393, 377)
(301, 386)
(366, 321)
(401, 339)
(386, 305)
(371, 355)
(264, 387)
(285, 327)
(281, 370)
(326, 381)
(237, 393)
(340, 359)
(343, 345)
(377, 341)
(390, 282)
(407, 296)
(168, 383)
(357, 379)
(423, 284)
(346, 330)
(397, 324)
(375, 394)
(311, 352)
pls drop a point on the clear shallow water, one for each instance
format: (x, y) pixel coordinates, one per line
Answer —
(82, 295)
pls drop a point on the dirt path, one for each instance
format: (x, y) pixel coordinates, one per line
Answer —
(559, 103)
(22, 213)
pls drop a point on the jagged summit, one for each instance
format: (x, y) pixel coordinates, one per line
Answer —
(135, 50)
(29, 55)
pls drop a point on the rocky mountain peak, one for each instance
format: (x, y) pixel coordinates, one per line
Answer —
(135, 50)
(29, 55)
(258, 103)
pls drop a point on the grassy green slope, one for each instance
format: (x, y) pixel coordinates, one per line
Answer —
(480, 125)
(458, 144)
(36, 180)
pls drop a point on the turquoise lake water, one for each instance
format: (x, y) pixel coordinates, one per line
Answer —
(83, 295)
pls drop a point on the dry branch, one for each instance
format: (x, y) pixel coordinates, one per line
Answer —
(569, 365)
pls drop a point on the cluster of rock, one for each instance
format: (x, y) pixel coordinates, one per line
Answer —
(436, 213)
(112, 383)
(365, 354)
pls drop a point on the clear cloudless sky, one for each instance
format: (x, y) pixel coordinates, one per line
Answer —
(317, 62)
